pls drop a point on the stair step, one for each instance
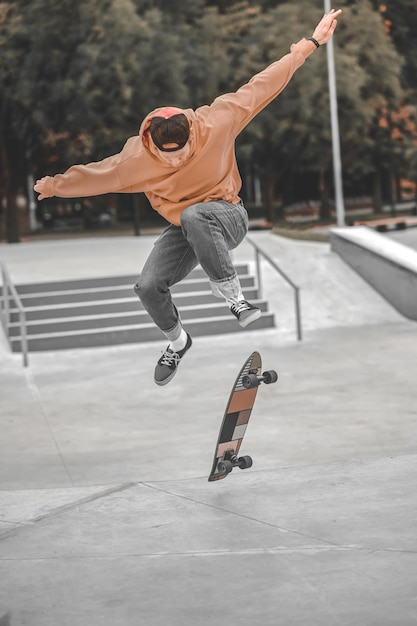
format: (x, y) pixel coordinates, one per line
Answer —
(103, 282)
(84, 322)
(53, 298)
(117, 306)
(137, 333)
(105, 311)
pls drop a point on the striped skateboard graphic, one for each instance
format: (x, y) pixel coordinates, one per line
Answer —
(236, 417)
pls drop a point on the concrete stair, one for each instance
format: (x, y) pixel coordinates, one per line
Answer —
(106, 311)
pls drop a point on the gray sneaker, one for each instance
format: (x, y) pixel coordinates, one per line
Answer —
(245, 312)
(167, 366)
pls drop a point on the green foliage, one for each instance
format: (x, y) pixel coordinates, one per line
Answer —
(294, 130)
(400, 19)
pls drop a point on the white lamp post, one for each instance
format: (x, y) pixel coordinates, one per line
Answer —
(337, 160)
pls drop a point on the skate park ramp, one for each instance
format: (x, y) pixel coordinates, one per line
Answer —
(106, 515)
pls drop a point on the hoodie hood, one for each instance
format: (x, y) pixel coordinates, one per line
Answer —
(165, 112)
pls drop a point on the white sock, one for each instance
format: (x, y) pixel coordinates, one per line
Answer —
(236, 299)
(180, 343)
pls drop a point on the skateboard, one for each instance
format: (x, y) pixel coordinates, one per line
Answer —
(236, 417)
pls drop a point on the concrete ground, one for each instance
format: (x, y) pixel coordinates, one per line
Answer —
(106, 515)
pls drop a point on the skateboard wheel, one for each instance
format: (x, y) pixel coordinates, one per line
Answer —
(250, 381)
(224, 467)
(270, 377)
(245, 462)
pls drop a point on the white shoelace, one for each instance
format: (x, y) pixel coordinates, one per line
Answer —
(240, 306)
(170, 358)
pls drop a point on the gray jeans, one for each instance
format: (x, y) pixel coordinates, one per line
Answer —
(208, 231)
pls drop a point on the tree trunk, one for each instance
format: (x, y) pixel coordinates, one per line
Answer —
(12, 218)
(136, 215)
(9, 173)
(377, 192)
(269, 191)
(288, 179)
(324, 197)
(279, 213)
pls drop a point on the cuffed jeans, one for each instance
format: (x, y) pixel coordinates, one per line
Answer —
(208, 231)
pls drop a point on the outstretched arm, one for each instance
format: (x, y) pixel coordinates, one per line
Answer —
(326, 27)
(238, 108)
(82, 180)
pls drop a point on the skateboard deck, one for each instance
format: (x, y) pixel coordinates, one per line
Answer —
(236, 417)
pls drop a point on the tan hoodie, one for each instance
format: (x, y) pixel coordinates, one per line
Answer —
(210, 171)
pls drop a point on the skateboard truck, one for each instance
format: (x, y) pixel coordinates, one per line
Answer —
(231, 460)
(252, 380)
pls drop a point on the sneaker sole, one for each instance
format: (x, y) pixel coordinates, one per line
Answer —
(161, 383)
(255, 315)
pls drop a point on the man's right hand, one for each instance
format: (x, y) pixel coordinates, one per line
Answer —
(40, 187)
(326, 27)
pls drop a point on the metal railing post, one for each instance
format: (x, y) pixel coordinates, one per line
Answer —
(5, 319)
(298, 313)
(23, 337)
(258, 273)
(5, 296)
(258, 254)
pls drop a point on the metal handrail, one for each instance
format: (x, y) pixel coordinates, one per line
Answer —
(258, 254)
(8, 286)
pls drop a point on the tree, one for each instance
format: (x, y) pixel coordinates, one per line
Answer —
(379, 151)
(82, 75)
(400, 21)
(292, 135)
(11, 146)
(76, 80)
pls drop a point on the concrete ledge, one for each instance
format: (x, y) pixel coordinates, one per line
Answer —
(390, 267)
